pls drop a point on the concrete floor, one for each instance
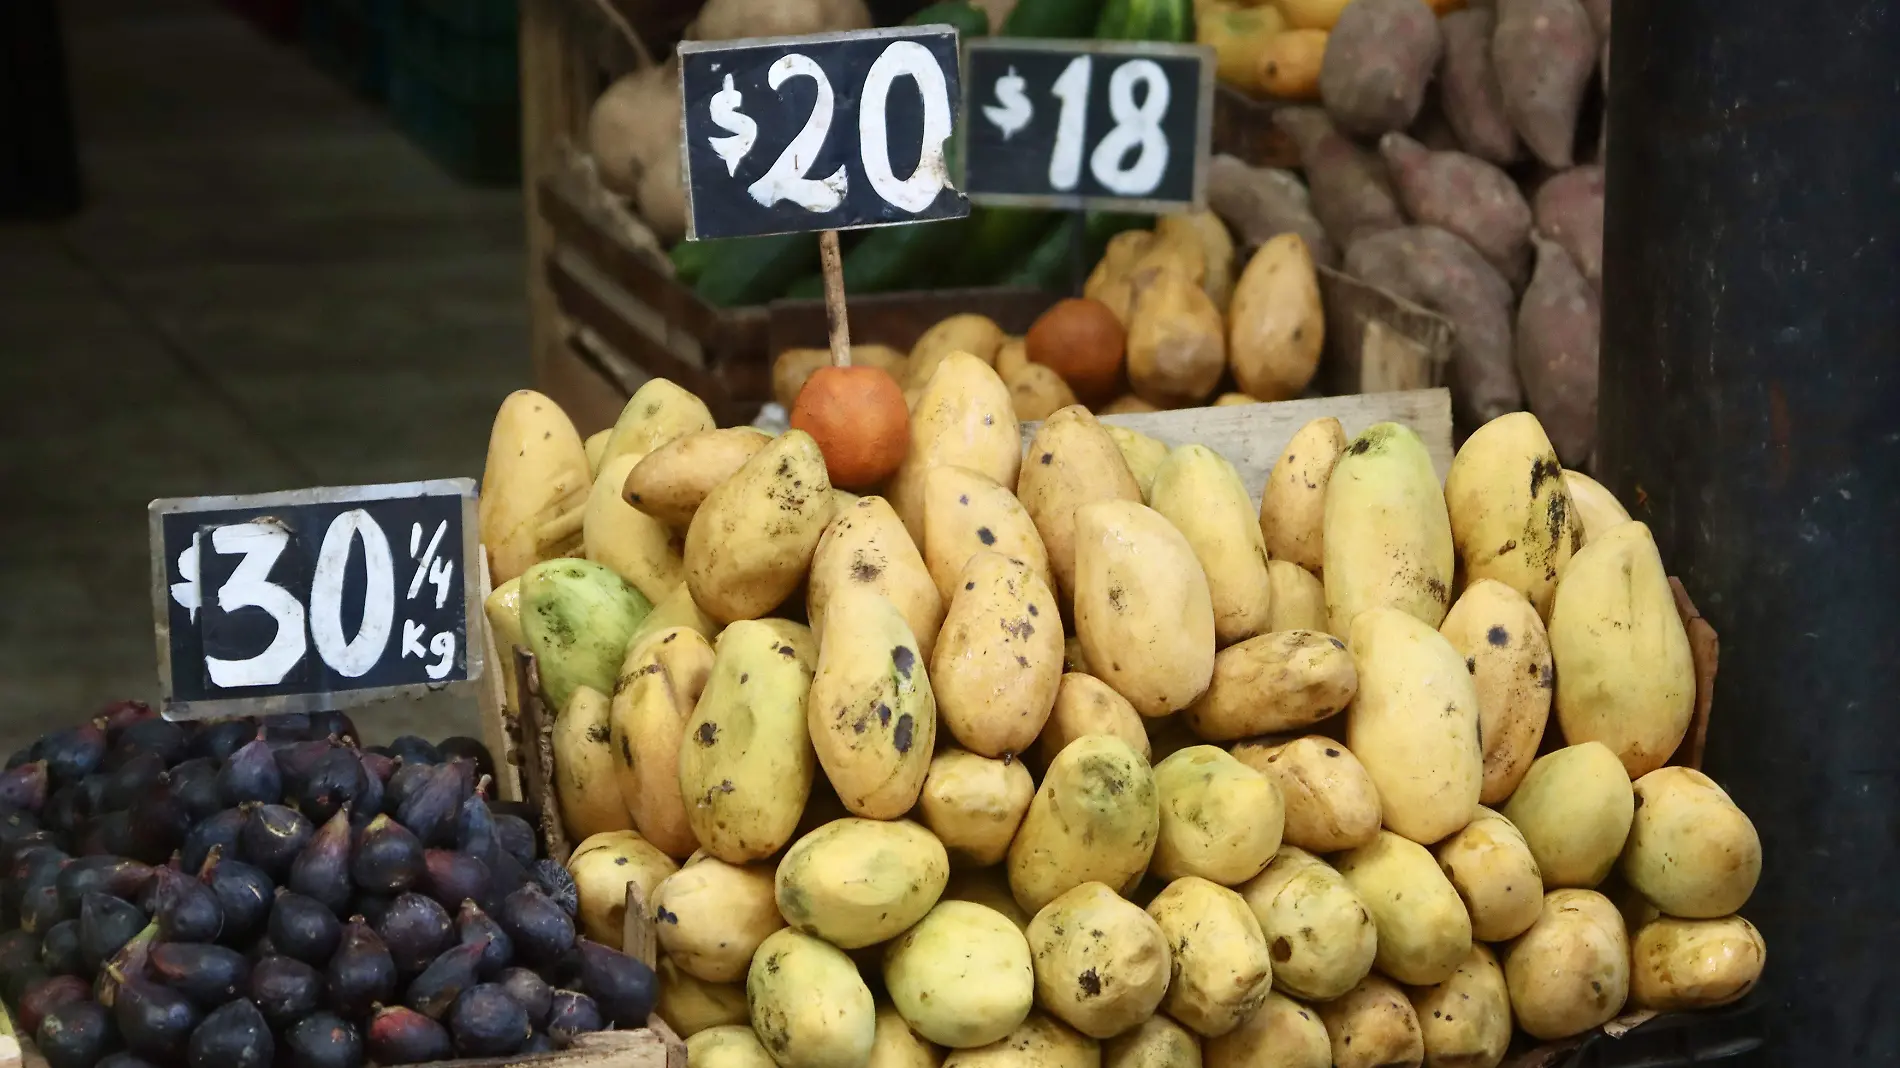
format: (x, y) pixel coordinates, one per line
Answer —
(270, 288)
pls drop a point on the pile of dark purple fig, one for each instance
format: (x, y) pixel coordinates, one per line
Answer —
(265, 894)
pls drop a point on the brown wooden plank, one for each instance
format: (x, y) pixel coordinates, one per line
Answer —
(586, 306)
(567, 204)
(1376, 341)
(537, 763)
(899, 319)
(637, 939)
(1243, 127)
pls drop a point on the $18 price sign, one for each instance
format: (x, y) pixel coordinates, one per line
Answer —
(313, 599)
(830, 131)
(1115, 125)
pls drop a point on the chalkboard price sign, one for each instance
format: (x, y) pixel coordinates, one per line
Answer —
(829, 131)
(1114, 125)
(315, 599)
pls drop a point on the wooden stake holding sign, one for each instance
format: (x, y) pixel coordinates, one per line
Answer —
(830, 173)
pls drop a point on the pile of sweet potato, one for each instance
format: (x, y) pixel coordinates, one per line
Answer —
(1446, 163)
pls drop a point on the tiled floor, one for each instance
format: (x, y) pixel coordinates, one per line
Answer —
(269, 288)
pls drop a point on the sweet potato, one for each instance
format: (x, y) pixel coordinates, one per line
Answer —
(1568, 209)
(1378, 62)
(1558, 326)
(1545, 53)
(1438, 269)
(1466, 196)
(1350, 193)
(1468, 87)
(1261, 203)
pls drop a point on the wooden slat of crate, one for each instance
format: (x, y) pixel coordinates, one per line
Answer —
(1377, 342)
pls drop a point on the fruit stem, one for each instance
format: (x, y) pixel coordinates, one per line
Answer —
(834, 298)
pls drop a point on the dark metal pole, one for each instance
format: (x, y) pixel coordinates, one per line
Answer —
(1751, 410)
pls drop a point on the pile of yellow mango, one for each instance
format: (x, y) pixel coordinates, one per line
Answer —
(1065, 753)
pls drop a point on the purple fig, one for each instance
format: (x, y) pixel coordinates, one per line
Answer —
(399, 1035)
(474, 925)
(334, 780)
(273, 835)
(413, 750)
(221, 831)
(285, 990)
(208, 975)
(233, 1036)
(542, 930)
(185, 909)
(106, 924)
(570, 1014)
(452, 878)
(48, 994)
(322, 870)
(434, 992)
(324, 1040)
(73, 754)
(624, 987)
(251, 775)
(59, 950)
(362, 973)
(431, 809)
(304, 928)
(76, 1034)
(155, 1021)
(246, 894)
(530, 991)
(125, 879)
(218, 741)
(388, 858)
(24, 787)
(486, 1022)
(416, 929)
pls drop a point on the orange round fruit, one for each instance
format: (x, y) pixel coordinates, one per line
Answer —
(859, 419)
(1081, 340)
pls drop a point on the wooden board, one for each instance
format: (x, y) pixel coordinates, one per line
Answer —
(1377, 342)
(1252, 436)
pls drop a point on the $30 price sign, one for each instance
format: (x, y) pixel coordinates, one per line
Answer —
(313, 599)
(824, 132)
(1117, 125)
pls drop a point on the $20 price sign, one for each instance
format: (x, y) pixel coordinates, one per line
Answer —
(313, 599)
(824, 132)
(1117, 125)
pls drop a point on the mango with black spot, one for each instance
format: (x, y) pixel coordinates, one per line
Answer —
(965, 513)
(659, 685)
(1466, 1020)
(871, 712)
(998, 659)
(1142, 606)
(1101, 962)
(602, 866)
(751, 541)
(810, 1007)
(1319, 933)
(1373, 1026)
(1386, 536)
(711, 916)
(1330, 801)
(746, 761)
(1072, 461)
(867, 547)
(1221, 968)
(1094, 819)
(855, 882)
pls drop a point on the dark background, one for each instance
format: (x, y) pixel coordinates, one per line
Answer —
(266, 287)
